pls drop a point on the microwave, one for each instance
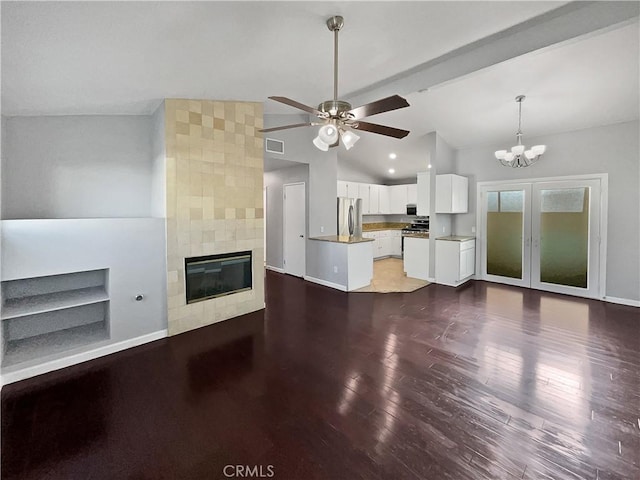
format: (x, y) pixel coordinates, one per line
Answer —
(412, 209)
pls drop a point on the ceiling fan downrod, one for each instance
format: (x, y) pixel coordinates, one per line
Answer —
(334, 24)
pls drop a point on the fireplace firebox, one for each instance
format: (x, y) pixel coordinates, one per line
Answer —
(217, 275)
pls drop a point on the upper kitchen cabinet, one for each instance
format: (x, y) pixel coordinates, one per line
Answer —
(348, 189)
(452, 194)
(412, 194)
(424, 189)
(398, 199)
(383, 199)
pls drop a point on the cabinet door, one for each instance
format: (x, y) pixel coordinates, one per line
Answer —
(424, 189)
(398, 199)
(342, 189)
(412, 193)
(396, 245)
(443, 194)
(363, 193)
(353, 190)
(459, 193)
(383, 199)
(374, 198)
(467, 260)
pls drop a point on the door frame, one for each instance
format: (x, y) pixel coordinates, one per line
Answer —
(284, 225)
(604, 208)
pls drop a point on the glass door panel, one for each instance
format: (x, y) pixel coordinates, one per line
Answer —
(505, 252)
(565, 248)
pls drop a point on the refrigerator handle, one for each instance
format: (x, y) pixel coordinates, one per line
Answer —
(350, 219)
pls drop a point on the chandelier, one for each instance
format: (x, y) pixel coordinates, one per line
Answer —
(518, 157)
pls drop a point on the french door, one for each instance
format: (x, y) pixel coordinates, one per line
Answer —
(543, 235)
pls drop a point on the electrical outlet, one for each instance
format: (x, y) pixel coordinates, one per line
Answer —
(442, 229)
(321, 229)
(473, 229)
(335, 269)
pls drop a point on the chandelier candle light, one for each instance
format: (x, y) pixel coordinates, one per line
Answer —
(518, 157)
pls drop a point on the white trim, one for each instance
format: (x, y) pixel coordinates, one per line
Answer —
(326, 283)
(275, 269)
(587, 176)
(622, 301)
(52, 365)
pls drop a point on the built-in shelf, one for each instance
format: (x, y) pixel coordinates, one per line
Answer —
(49, 302)
(50, 344)
(45, 316)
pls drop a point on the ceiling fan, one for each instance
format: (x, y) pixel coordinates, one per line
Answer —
(337, 118)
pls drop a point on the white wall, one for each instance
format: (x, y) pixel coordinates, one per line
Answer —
(612, 149)
(348, 173)
(131, 248)
(77, 167)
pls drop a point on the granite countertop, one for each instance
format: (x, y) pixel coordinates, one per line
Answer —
(373, 227)
(456, 238)
(416, 235)
(342, 239)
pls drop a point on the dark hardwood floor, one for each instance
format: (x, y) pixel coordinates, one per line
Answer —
(480, 382)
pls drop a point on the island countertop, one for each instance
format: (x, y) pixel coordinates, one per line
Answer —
(456, 238)
(342, 239)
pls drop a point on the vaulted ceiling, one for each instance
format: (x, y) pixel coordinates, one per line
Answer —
(124, 57)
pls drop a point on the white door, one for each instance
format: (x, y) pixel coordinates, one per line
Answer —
(565, 245)
(544, 235)
(506, 231)
(295, 221)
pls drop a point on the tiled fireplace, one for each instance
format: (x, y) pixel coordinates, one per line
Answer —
(214, 170)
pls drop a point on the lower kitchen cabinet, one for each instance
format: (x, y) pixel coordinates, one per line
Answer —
(455, 260)
(387, 243)
(416, 257)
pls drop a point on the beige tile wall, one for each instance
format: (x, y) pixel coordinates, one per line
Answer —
(214, 201)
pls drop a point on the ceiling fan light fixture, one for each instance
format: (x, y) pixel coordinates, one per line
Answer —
(500, 154)
(348, 138)
(328, 134)
(320, 144)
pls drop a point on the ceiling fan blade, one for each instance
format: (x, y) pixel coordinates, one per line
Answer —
(293, 103)
(284, 127)
(393, 102)
(380, 129)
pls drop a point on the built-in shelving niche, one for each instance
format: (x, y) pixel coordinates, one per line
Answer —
(44, 316)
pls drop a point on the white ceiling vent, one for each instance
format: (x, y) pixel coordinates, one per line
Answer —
(274, 146)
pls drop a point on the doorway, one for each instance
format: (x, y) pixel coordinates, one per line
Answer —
(294, 223)
(544, 234)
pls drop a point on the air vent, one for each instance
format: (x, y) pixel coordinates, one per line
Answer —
(274, 146)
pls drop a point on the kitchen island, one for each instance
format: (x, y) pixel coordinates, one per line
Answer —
(341, 262)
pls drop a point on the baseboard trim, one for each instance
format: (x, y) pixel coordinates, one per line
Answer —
(57, 364)
(275, 269)
(326, 283)
(622, 301)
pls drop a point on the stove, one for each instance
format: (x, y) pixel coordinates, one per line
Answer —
(416, 227)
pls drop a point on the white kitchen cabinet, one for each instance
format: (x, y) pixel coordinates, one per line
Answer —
(398, 199)
(416, 257)
(412, 194)
(452, 194)
(424, 191)
(363, 193)
(374, 199)
(383, 199)
(455, 260)
(395, 248)
(342, 189)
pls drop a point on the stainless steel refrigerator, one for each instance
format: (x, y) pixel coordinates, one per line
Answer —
(350, 216)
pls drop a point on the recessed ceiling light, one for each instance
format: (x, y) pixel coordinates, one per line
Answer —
(392, 156)
(392, 170)
(429, 166)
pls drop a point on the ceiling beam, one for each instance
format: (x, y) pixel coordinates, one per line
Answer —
(563, 24)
